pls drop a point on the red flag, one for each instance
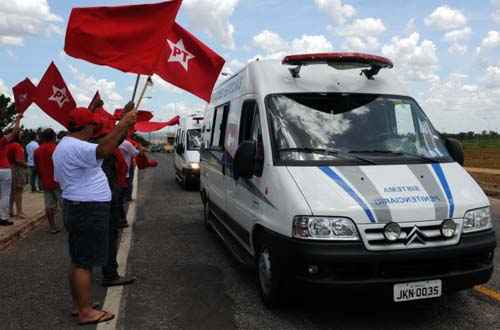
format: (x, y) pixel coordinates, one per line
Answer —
(53, 96)
(151, 126)
(141, 115)
(103, 113)
(127, 38)
(24, 92)
(95, 99)
(99, 109)
(188, 63)
(144, 39)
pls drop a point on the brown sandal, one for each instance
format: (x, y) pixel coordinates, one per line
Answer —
(105, 317)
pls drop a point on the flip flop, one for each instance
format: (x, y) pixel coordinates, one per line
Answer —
(105, 317)
(95, 305)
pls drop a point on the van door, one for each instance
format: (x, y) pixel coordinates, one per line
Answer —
(179, 151)
(244, 208)
(215, 164)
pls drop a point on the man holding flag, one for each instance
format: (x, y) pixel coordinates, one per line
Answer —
(87, 196)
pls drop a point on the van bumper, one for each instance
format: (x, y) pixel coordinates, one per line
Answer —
(350, 265)
(192, 175)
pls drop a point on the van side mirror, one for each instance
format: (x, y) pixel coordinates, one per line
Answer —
(455, 149)
(244, 160)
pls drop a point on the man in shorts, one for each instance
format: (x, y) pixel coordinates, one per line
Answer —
(44, 166)
(86, 202)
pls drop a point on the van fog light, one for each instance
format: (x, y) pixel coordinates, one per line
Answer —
(392, 231)
(448, 228)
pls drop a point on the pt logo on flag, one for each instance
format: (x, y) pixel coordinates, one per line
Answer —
(179, 54)
(59, 96)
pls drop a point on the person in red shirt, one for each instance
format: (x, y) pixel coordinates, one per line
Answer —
(17, 161)
(45, 169)
(6, 175)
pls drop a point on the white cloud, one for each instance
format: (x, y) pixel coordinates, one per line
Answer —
(475, 105)
(212, 17)
(231, 67)
(411, 26)
(492, 78)
(362, 34)
(492, 40)
(270, 41)
(20, 18)
(11, 41)
(338, 11)
(416, 60)
(496, 10)
(445, 18)
(275, 47)
(85, 87)
(165, 86)
(457, 39)
(3, 88)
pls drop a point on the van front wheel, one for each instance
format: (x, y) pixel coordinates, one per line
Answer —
(271, 278)
(206, 215)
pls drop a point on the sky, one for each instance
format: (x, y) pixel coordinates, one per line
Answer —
(446, 52)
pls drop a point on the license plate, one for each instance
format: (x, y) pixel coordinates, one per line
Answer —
(417, 290)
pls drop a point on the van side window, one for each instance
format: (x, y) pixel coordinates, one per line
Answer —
(247, 117)
(250, 130)
(219, 126)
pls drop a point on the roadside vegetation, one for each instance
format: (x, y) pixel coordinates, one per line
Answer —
(482, 151)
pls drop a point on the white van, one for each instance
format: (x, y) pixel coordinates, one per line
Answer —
(187, 150)
(322, 169)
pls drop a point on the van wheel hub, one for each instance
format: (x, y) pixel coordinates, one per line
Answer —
(265, 274)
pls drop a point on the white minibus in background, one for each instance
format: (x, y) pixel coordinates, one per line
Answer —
(187, 150)
(322, 168)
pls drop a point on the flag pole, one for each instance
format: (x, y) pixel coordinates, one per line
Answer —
(135, 87)
(149, 82)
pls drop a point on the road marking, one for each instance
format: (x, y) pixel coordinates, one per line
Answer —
(113, 300)
(490, 293)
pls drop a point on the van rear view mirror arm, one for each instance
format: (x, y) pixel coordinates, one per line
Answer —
(295, 71)
(371, 72)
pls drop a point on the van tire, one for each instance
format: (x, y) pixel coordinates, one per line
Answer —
(206, 215)
(270, 276)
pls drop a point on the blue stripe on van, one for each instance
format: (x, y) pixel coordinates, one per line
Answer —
(335, 177)
(444, 183)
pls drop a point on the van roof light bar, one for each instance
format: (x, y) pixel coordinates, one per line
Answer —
(340, 61)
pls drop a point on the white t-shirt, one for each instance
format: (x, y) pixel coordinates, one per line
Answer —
(30, 150)
(79, 172)
(129, 151)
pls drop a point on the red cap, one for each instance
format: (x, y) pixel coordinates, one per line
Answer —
(81, 117)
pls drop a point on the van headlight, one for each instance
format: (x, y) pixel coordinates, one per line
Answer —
(194, 166)
(477, 220)
(324, 228)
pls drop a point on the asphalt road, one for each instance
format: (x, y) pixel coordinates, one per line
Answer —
(187, 280)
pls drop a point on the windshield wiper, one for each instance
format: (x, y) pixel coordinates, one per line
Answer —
(401, 153)
(328, 152)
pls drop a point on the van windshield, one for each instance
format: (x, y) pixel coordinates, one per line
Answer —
(193, 139)
(352, 129)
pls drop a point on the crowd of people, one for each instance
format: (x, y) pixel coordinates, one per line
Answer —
(86, 177)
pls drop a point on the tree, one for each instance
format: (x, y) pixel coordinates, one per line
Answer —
(7, 111)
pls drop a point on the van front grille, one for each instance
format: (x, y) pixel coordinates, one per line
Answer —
(414, 235)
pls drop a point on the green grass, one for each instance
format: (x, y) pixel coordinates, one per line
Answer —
(482, 143)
